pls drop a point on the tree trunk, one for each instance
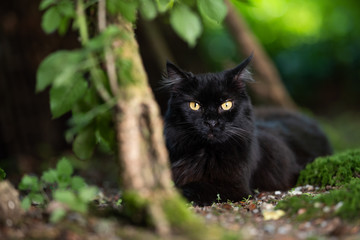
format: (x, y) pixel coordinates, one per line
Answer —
(269, 87)
(145, 174)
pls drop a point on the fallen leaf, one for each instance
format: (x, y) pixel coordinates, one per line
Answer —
(273, 214)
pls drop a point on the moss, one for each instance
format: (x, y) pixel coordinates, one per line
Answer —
(343, 202)
(182, 219)
(334, 170)
(135, 207)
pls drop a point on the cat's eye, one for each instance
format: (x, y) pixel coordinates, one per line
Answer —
(194, 106)
(226, 105)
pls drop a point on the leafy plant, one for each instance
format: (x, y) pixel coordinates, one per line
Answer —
(2, 174)
(89, 98)
(70, 190)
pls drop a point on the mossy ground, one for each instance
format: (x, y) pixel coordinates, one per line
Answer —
(341, 170)
(333, 170)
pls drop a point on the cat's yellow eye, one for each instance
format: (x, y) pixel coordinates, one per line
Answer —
(194, 106)
(226, 105)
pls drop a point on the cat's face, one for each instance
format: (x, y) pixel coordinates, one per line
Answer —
(209, 108)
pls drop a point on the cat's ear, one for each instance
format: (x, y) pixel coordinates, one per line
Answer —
(173, 72)
(174, 76)
(241, 73)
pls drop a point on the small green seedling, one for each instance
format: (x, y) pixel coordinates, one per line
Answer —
(218, 198)
(63, 187)
(2, 174)
(247, 200)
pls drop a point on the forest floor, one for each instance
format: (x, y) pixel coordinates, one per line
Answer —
(254, 218)
(258, 219)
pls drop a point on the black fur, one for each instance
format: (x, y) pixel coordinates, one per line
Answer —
(232, 152)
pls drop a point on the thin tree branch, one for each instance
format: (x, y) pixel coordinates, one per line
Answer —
(109, 57)
(270, 86)
(84, 37)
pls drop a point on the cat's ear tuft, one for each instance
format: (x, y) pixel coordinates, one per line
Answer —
(241, 73)
(173, 76)
(173, 72)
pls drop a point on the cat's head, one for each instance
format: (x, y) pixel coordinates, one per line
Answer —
(209, 108)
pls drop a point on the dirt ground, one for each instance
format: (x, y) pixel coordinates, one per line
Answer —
(253, 218)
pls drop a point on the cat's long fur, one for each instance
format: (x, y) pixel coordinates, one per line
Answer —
(230, 153)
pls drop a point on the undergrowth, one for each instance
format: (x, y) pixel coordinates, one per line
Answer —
(343, 170)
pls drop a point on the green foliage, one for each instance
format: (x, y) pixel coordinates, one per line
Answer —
(63, 98)
(186, 24)
(212, 10)
(2, 174)
(57, 15)
(333, 170)
(63, 187)
(343, 202)
(84, 143)
(89, 98)
(126, 8)
(148, 9)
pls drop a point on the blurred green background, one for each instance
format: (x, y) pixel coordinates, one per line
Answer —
(316, 48)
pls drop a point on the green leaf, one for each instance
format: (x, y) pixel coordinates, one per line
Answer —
(59, 67)
(148, 9)
(64, 26)
(65, 196)
(2, 174)
(105, 133)
(77, 183)
(69, 198)
(37, 198)
(26, 203)
(63, 98)
(127, 8)
(66, 8)
(64, 167)
(105, 38)
(29, 183)
(213, 10)
(84, 143)
(51, 20)
(50, 176)
(164, 5)
(88, 194)
(57, 215)
(186, 24)
(46, 3)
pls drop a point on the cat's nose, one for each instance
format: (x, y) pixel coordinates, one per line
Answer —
(211, 123)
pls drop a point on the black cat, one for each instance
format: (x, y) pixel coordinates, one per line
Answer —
(220, 146)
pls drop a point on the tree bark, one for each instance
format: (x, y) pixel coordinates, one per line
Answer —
(270, 87)
(142, 154)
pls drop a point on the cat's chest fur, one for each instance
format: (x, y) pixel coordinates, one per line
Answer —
(207, 164)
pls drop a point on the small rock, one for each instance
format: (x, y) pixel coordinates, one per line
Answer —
(285, 229)
(10, 209)
(326, 209)
(318, 204)
(338, 205)
(277, 193)
(301, 211)
(269, 228)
